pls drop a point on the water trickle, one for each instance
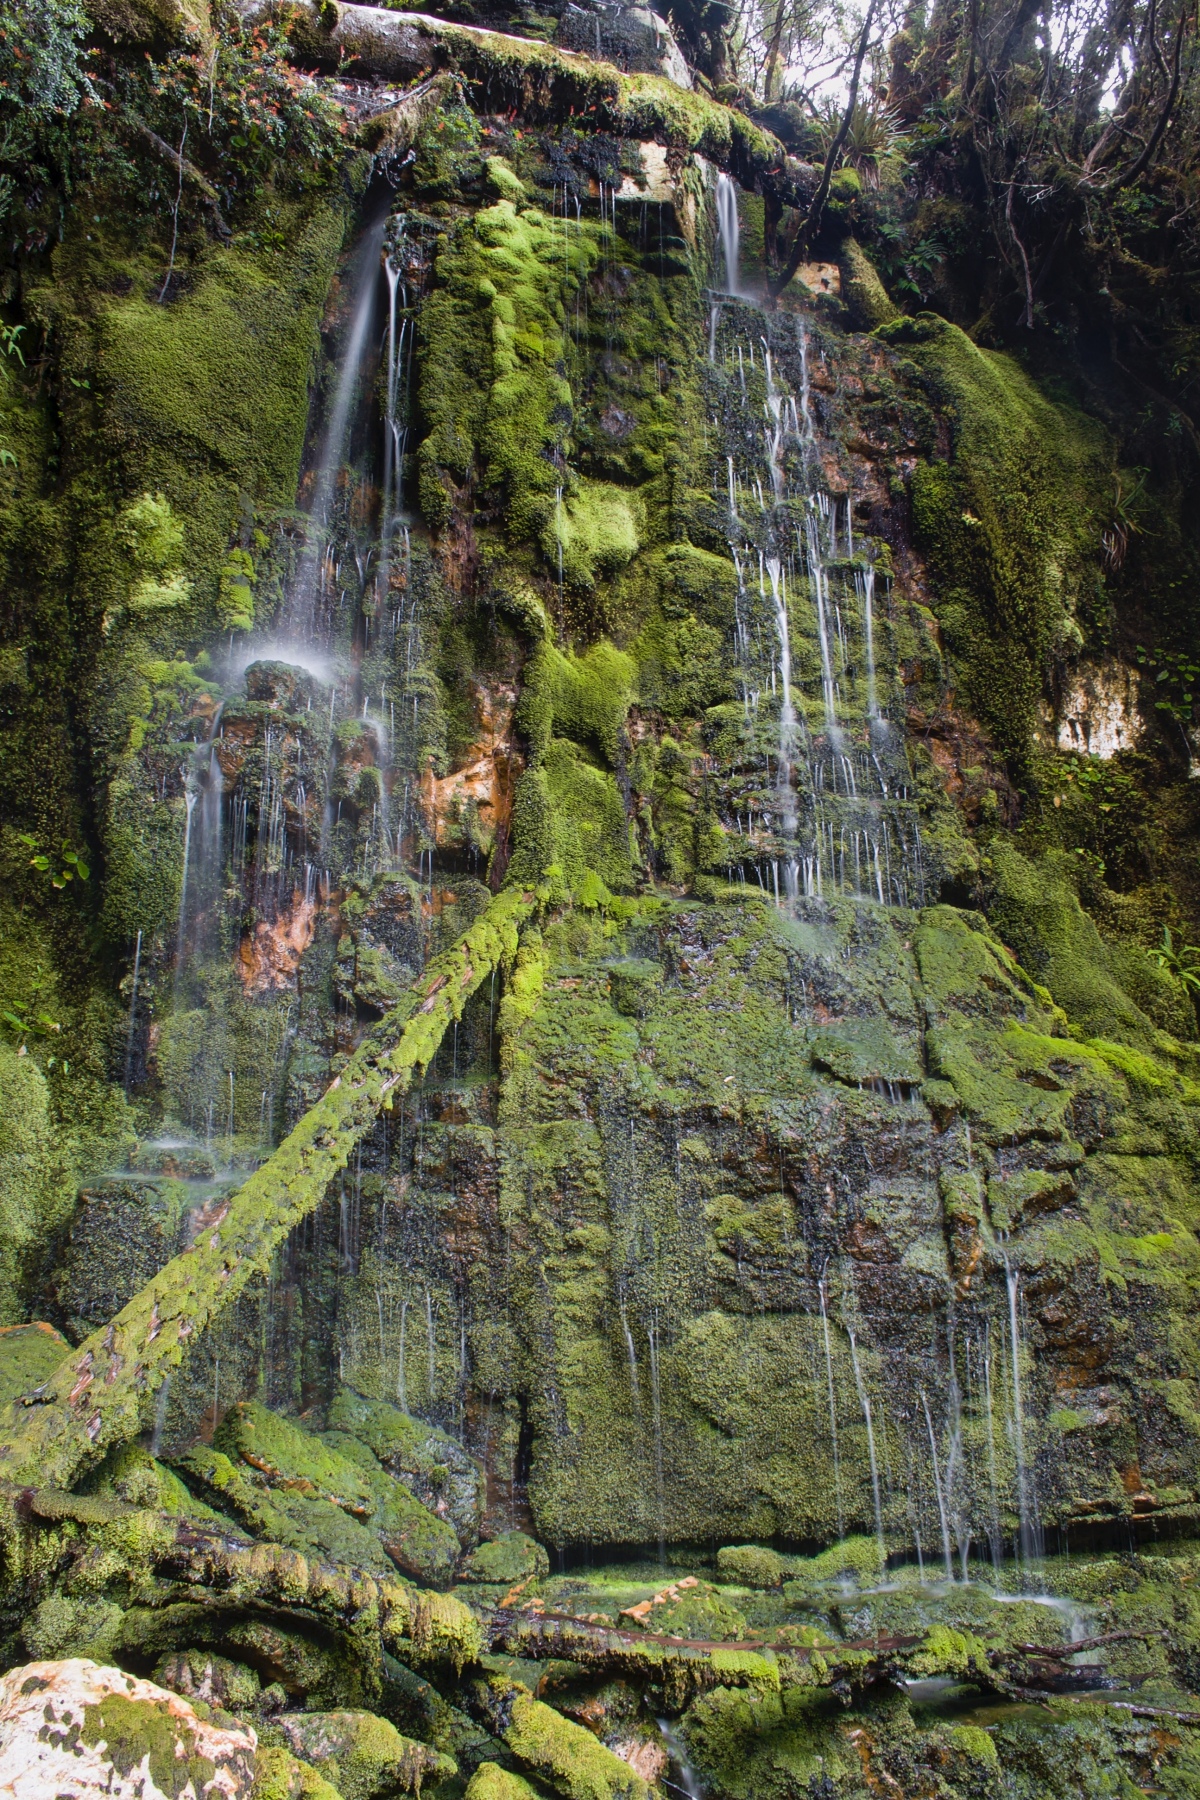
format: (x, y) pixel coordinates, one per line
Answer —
(940, 1492)
(833, 1431)
(729, 233)
(313, 574)
(865, 1403)
(1031, 1526)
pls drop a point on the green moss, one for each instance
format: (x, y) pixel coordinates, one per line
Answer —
(566, 1756)
(864, 293)
(36, 1190)
(137, 1732)
(1010, 524)
(491, 1782)
(278, 1775)
(751, 1564)
(511, 1557)
(29, 1355)
(593, 532)
(364, 1755)
(494, 388)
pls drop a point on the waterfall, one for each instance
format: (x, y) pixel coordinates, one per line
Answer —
(689, 1782)
(189, 801)
(865, 1403)
(729, 233)
(820, 583)
(993, 1482)
(312, 572)
(787, 710)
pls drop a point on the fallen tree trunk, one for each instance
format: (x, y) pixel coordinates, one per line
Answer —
(540, 84)
(98, 1397)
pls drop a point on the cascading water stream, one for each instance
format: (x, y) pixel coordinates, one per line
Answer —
(305, 612)
(729, 234)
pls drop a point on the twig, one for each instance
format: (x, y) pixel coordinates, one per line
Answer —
(812, 221)
(174, 220)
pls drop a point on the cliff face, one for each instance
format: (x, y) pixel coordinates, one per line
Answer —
(809, 1160)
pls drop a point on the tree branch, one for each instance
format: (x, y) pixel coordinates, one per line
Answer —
(97, 1398)
(812, 222)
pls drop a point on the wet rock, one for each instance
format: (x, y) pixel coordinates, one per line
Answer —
(78, 1728)
(123, 1232)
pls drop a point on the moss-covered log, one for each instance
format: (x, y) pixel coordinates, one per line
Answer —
(545, 85)
(98, 1397)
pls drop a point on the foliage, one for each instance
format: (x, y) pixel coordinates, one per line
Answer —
(1182, 960)
(59, 867)
(1175, 680)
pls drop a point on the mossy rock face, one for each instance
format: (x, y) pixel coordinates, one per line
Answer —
(1006, 523)
(511, 1557)
(364, 1755)
(292, 1487)
(122, 1233)
(433, 1466)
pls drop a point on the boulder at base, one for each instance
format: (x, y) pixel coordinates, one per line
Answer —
(77, 1728)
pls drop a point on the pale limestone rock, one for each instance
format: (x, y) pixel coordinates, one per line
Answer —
(76, 1728)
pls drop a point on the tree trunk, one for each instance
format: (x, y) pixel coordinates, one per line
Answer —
(99, 1396)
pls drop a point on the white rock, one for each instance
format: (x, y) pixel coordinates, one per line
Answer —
(1099, 711)
(73, 1730)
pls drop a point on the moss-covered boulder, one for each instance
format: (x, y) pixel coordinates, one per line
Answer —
(365, 1756)
(432, 1465)
(293, 1487)
(491, 1782)
(566, 1756)
(511, 1557)
(753, 1565)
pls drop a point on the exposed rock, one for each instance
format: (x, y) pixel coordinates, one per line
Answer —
(77, 1728)
(1098, 712)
